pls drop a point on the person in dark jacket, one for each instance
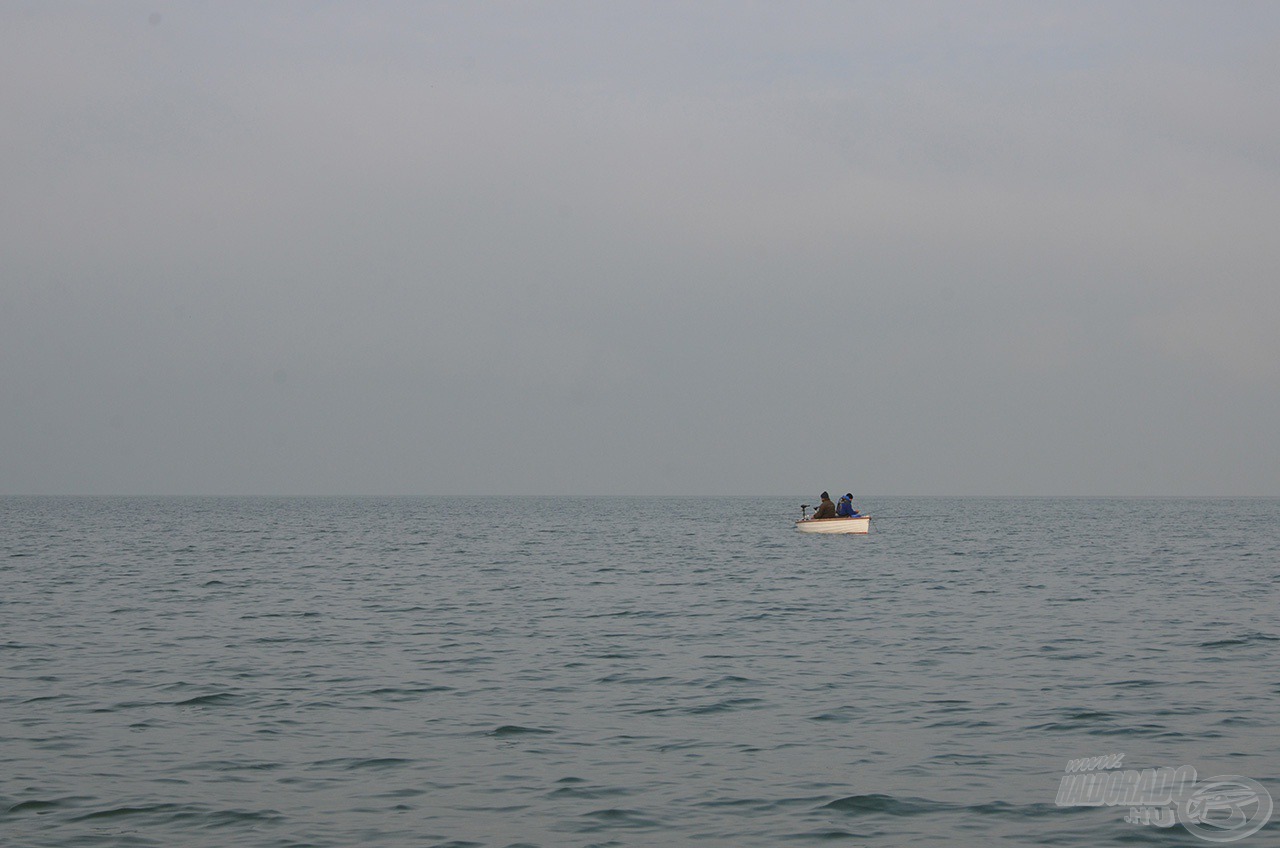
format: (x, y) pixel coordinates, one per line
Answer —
(845, 509)
(826, 509)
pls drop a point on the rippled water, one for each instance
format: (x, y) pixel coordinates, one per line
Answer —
(625, 672)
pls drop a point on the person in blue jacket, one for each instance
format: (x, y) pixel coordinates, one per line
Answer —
(845, 509)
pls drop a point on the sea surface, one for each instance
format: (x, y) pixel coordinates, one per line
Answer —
(623, 671)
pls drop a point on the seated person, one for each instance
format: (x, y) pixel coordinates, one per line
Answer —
(845, 509)
(826, 509)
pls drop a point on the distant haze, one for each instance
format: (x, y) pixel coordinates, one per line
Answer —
(649, 248)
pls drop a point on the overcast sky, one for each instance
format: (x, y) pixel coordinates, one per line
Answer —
(640, 248)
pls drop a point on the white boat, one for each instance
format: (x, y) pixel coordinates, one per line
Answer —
(854, 524)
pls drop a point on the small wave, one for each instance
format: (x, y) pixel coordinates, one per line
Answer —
(378, 763)
(622, 677)
(1240, 721)
(1243, 639)
(630, 614)
(217, 699)
(1020, 811)
(401, 693)
(956, 722)
(517, 730)
(761, 804)
(354, 763)
(39, 805)
(120, 706)
(830, 835)
(1074, 719)
(229, 765)
(1137, 683)
(725, 706)
(227, 818)
(615, 817)
(174, 810)
(706, 709)
(1223, 643)
(887, 805)
(1159, 730)
(588, 792)
(726, 680)
(181, 812)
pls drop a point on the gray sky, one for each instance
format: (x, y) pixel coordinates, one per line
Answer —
(650, 248)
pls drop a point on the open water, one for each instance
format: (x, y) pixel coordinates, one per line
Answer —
(622, 671)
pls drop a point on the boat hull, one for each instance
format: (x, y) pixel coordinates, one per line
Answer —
(857, 524)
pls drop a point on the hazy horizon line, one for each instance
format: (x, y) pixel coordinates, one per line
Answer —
(530, 496)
